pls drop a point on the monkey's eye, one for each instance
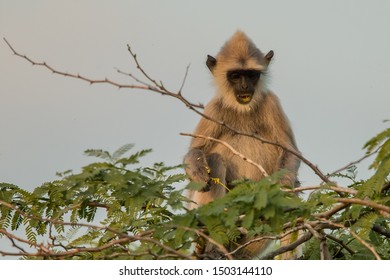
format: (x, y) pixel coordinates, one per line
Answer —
(253, 75)
(234, 76)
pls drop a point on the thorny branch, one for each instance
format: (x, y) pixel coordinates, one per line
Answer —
(159, 88)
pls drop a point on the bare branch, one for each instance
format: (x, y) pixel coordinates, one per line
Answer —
(143, 86)
(332, 211)
(184, 80)
(384, 210)
(160, 86)
(234, 151)
(132, 76)
(13, 237)
(305, 237)
(353, 162)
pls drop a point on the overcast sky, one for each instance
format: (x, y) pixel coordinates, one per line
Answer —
(330, 70)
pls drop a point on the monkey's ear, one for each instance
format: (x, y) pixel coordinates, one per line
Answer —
(269, 56)
(211, 62)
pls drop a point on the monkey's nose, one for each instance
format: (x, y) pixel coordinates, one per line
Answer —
(244, 86)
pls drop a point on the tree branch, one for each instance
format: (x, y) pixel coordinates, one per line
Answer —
(269, 237)
(140, 237)
(363, 242)
(384, 210)
(323, 187)
(234, 151)
(341, 243)
(305, 237)
(353, 162)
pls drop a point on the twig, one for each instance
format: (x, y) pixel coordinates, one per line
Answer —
(220, 247)
(332, 211)
(363, 242)
(132, 76)
(324, 187)
(270, 237)
(380, 207)
(234, 151)
(305, 237)
(13, 237)
(160, 86)
(156, 88)
(184, 80)
(324, 250)
(353, 163)
(341, 243)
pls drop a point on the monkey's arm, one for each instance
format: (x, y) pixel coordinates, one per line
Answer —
(290, 163)
(287, 160)
(196, 164)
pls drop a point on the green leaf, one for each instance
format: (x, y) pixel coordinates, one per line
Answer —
(98, 153)
(248, 219)
(269, 212)
(121, 151)
(195, 186)
(261, 199)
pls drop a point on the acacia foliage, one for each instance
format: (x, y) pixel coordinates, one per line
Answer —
(117, 209)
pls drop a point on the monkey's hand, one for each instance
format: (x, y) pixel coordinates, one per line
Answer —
(196, 167)
(290, 180)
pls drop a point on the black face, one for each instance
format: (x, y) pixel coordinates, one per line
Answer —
(244, 83)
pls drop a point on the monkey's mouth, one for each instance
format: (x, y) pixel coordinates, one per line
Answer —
(244, 98)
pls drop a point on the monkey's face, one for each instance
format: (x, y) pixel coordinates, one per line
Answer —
(244, 83)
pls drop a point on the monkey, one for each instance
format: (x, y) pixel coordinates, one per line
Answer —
(243, 102)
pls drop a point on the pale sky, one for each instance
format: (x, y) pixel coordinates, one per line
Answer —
(330, 71)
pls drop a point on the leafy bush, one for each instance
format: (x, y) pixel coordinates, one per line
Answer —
(114, 209)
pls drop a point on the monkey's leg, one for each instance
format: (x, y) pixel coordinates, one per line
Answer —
(216, 188)
(198, 167)
(290, 163)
